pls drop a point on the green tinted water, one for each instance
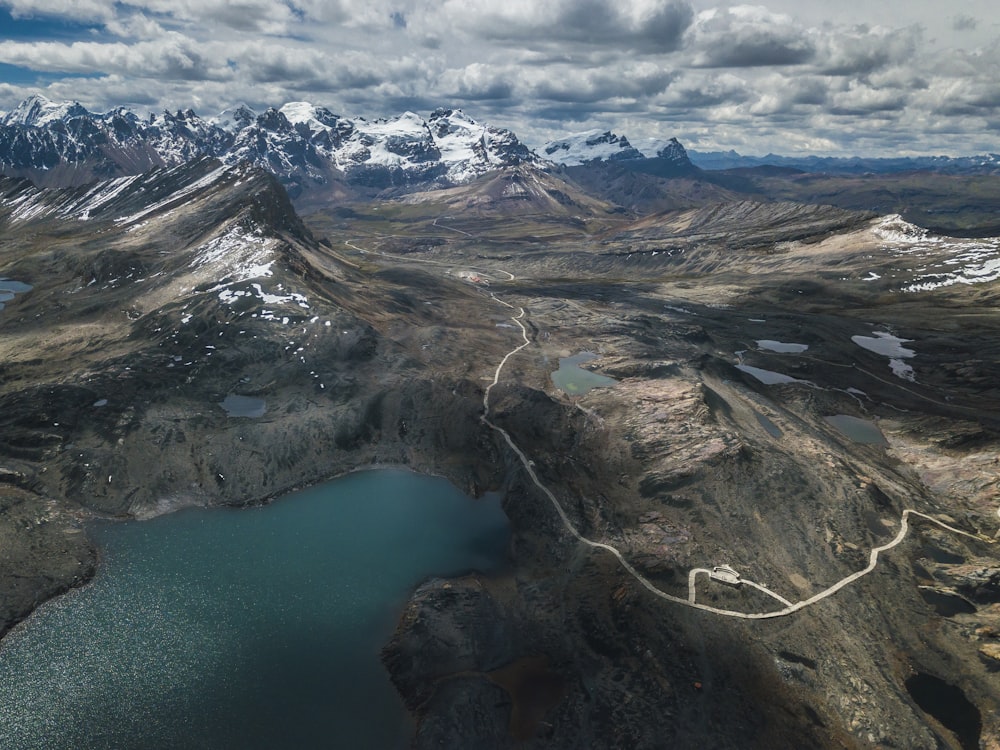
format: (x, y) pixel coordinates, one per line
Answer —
(572, 379)
(255, 628)
(859, 430)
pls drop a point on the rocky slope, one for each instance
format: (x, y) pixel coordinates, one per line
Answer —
(733, 333)
(698, 457)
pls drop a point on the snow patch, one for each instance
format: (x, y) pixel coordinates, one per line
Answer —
(236, 255)
(960, 262)
(902, 370)
(893, 228)
(592, 145)
(177, 196)
(885, 344)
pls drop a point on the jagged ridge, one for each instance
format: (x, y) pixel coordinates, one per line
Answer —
(60, 144)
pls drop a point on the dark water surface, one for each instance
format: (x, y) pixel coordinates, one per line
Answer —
(859, 430)
(257, 628)
(947, 703)
(770, 427)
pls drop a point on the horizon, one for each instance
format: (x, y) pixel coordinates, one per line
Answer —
(788, 76)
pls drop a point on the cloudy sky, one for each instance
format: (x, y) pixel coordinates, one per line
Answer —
(871, 77)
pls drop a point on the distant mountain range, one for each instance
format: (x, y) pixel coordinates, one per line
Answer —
(63, 144)
(718, 160)
(307, 146)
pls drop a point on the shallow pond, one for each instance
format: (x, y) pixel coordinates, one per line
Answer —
(770, 427)
(859, 430)
(243, 406)
(10, 288)
(572, 379)
(253, 628)
(946, 603)
(781, 346)
(768, 377)
(948, 704)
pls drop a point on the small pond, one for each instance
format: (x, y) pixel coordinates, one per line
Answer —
(947, 603)
(770, 427)
(768, 377)
(253, 628)
(10, 288)
(781, 346)
(572, 379)
(859, 430)
(948, 704)
(890, 346)
(243, 406)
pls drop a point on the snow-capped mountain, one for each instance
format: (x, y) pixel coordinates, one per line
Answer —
(64, 144)
(37, 112)
(470, 149)
(591, 146)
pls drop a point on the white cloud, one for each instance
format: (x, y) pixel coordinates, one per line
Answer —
(76, 10)
(266, 16)
(860, 99)
(172, 57)
(792, 72)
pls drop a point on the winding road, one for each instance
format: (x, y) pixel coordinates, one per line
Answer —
(788, 608)
(691, 601)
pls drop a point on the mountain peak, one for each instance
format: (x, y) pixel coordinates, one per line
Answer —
(274, 119)
(453, 115)
(674, 152)
(591, 145)
(234, 118)
(37, 111)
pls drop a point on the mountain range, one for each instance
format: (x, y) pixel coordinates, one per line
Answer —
(306, 146)
(63, 144)
(323, 159)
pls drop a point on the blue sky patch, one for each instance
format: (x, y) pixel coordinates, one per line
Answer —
(20, 76)
(43, 29)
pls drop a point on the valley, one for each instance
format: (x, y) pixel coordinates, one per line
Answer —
(789, 388)
(673, 345)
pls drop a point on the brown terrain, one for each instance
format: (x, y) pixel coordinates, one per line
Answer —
(373, 336)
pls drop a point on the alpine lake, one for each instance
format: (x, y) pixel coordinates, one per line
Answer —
(244, 628)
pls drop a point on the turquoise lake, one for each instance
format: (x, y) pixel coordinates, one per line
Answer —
(250, 628)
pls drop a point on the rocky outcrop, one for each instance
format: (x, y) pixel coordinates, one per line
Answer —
(45, 551)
